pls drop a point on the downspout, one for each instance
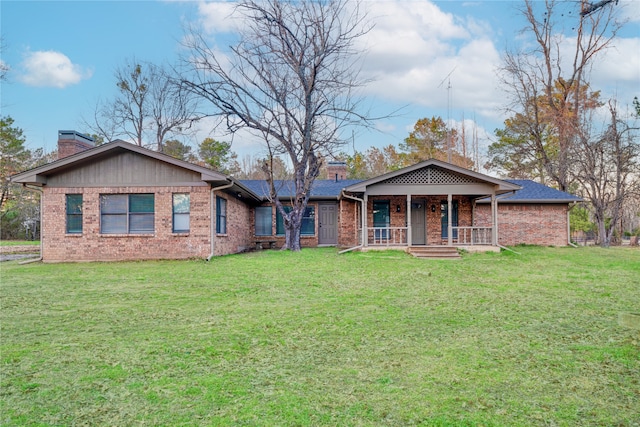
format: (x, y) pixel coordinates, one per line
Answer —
(569, 225)
(37, 190)
(363, 213)
(212, 219)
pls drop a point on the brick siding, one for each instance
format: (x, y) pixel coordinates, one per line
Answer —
(163, 243)
(533, 224)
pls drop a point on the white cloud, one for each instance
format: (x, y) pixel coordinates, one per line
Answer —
(216, 17)
(619, 66)
(415, 45)
(51, 69)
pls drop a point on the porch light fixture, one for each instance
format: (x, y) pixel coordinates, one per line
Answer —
(398, 208)
(433, 208)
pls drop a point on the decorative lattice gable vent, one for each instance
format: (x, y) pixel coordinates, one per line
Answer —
(431, 175)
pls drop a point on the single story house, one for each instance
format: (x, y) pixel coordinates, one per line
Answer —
(119, 201)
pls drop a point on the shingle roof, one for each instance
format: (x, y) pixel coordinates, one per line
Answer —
(321, 188)
(534, 192)
(531, 192)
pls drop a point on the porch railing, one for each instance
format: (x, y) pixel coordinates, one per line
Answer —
(472, 235)
(397, 236)
(387, 236)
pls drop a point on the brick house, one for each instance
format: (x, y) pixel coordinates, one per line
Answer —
(119, 201)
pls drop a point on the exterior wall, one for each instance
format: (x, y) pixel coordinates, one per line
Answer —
(305, 241)
(349, 222)
(93, 246)
(239, 236)
(532, 224)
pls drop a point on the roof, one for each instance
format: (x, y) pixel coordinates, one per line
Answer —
(321, 188)
(38, 175)
(534, 192)
(501, 186)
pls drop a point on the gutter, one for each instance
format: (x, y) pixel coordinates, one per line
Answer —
(212, 219)
(342, 194)
(37, 190)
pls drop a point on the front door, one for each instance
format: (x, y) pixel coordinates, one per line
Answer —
(328, 224)
(418, 228)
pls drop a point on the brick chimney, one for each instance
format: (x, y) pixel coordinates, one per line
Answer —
(337, 170)
(71, 142)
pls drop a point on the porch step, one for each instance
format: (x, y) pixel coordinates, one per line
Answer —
(434, 252)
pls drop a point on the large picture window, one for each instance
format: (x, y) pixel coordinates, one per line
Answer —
(127, 213)
(308, 227)
(74, 213)
(263, 221)
(221, 215)
(181, 213)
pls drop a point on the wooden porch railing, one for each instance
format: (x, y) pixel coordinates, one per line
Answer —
(472, 235)
(386, 236)
(397, 236)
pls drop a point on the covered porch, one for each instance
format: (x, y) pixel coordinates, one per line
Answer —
(429, 204)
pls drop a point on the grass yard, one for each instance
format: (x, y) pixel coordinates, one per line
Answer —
(315, 338)
(19, 242)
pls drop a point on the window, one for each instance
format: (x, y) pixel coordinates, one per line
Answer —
(263, 221)
(221, 215)
(127, 213)
(181, 213)
(280, 221)
(444, 215)
(381, 218)
(308, 227)
(308, 221)
(74, 213)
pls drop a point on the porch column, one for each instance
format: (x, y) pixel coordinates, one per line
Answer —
(449, 220)
(365, 232)
(494, 219)
(408, 219)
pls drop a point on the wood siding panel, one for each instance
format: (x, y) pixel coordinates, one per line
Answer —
(125, 169)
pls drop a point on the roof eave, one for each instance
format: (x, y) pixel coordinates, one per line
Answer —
(533, 201)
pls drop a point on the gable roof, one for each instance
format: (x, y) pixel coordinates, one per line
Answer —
(321, 188)
(534, 192)
(38, 176)
(443, 168)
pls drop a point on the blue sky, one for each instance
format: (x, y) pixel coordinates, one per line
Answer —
(62, 56)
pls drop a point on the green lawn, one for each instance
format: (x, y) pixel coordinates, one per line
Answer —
(19, 242)
(315, 338)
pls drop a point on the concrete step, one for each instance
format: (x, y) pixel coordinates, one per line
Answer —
(434, 252)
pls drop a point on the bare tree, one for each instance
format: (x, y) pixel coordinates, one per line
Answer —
(292, 78)
(149, 107)
(548, 83)
(608, 171)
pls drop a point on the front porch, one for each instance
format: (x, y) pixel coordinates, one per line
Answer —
(429, 204)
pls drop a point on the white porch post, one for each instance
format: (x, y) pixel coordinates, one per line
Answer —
(494, 219)
(449, 220)
(365, 232)
(408, 219)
